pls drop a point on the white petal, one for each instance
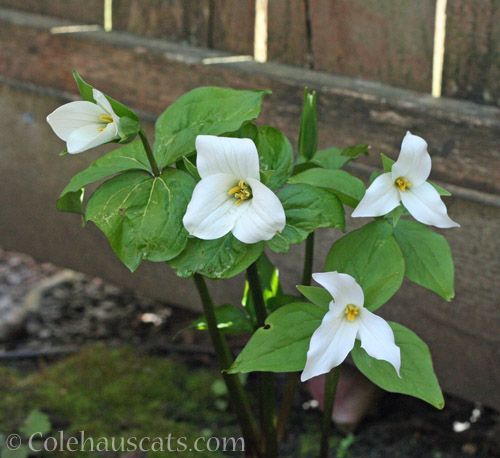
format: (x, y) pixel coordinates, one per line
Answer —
(377, 338)
(234, 156)
(263, 218)
(72, 116)
(104, 104)
(212, 212)
(414, 162)
(380, 198)
(330, 344)
(89, 136)
(343, 288)
(425, 205)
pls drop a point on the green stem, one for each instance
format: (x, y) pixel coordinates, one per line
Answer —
(236, 392)
(149, 153)
(331, 380)
(267, 399)
(308, 260)
(293, 378)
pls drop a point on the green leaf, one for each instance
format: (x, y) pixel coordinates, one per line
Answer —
(373, 258)
(207, 111)
(129, 157)
(440, 190)
(220, 258)
(308, 130)
(348, 189)
(318, 296)
(191, 168)
(270, 283)
(87, 94)
(306, 208)
(141, 215)
(330, 158)
(355, 151)
(282, 344)
(387, 163)
(274, 303)
(230, 320)
(417, 374)
(427, 257)
(275, 154)
(36, 422)
(22, 452)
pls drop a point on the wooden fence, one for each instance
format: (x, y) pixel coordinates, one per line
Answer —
(390, 41)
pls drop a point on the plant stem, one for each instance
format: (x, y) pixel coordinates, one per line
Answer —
(293, 378)
(149, 153)
(331, 380)
(308, 260)
(238, 396)
(286, 403)
(267, 399)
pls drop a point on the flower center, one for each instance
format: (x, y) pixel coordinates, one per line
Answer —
(403, 184)
(106, 119)
(241, 192)
(352, 312)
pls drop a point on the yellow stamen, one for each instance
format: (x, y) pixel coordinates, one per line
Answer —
(106, 118)
(352, 312)
(403, 184)
(241, 192)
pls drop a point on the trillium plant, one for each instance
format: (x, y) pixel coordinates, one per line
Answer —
(219, 195)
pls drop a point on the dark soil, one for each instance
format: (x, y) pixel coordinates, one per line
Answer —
(83, 310)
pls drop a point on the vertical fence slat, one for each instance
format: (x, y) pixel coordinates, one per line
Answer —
(287, 36)
(472, 50)
(388, 41)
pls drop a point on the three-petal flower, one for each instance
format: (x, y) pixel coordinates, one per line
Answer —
(84, 125)
(346, 321)
(230, 196)
(407, 183)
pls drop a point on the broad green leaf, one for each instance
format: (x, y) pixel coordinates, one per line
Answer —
(282, 344)
(427, 257)
(275, 302)
(318, 296)
(417, 374)
(270, 283)
(306, 208)
(36, 422)
(275, 153)
(247, 130)
(202, 111)
(350, 190)
(330, 158)
(308, 129)
(220, 258)
(129, 157)
(373, 258)
(141, 215)
(230, 320)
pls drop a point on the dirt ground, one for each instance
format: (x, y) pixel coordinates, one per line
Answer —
(46, 311)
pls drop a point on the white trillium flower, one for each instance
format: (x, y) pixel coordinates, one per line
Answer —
(230, 196)
(84, 125)
(346, 321)
(407, 183)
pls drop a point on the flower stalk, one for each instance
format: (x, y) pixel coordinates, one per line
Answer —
(237, 394)
(331, 382)
(267, 399)
(149, 153)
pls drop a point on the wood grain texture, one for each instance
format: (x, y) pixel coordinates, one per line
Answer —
(389, 41)
(472, 54)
